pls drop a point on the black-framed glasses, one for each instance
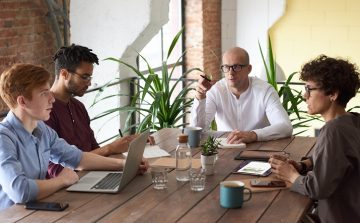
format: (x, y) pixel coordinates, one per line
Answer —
(84, 77)
(234, 67)
(308, 89)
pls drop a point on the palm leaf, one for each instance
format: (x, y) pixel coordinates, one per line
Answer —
(173, 43)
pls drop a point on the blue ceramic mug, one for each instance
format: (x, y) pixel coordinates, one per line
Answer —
(194, 134)
(232, 194)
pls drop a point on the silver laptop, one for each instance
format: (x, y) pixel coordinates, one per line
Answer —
(114, 181)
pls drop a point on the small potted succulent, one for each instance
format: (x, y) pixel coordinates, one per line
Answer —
(209, 154)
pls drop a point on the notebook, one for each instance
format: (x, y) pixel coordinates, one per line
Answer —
(114, 181)
(225, 145)
(152, 151)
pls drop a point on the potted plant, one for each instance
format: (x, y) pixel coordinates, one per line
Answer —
(289, 97)
(209, 154)
(156, 101)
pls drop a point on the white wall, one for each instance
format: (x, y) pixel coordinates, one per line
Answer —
(228, 24)
(119, 29)
(253, 18)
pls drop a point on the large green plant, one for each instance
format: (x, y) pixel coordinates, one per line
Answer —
(289, 97)
(156, 101)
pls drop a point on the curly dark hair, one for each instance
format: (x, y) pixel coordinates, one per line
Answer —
(70, 57)
(333, 74)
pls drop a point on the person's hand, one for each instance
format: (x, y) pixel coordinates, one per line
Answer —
(121, 145)
(203, 86)
(285, 158)
(151, 140)
(144, 166)
(283, 168)
(68, 177)
(237, 136)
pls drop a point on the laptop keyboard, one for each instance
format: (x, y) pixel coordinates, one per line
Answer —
(110, 181)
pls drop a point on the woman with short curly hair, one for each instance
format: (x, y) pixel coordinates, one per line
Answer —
(332, 174)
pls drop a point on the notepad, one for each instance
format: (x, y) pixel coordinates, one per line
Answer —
(225, 145)
(153, 151)
(254, 168)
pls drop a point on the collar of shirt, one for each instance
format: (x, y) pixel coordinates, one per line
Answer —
(18, 127)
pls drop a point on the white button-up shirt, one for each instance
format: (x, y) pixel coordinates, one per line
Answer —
(257, 109)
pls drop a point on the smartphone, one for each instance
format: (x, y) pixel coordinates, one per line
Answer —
(46, 206)
(267, 183)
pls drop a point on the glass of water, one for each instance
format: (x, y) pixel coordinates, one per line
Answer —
(159, 177)
(197, 179)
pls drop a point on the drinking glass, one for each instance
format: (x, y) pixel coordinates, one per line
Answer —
(197, 179)
(159, 178)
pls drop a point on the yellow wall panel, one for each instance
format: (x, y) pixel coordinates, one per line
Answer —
(327, 5)
(353, 5)
(313, 27)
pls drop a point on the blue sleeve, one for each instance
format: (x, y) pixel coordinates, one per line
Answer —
(61, 152)
(15, 184)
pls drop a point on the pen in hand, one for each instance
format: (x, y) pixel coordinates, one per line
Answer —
(205, 77)
(120, 133)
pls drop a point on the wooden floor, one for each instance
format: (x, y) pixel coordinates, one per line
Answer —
(139, 202)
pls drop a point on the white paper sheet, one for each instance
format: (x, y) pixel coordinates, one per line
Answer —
(255, 167)
(153, 152)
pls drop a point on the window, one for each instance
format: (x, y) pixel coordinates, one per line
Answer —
(156, 50)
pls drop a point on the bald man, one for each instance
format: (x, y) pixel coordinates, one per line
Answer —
(246, 106)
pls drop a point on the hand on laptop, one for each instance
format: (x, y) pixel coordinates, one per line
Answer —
(121, 145)
(151, 140)
(144, 165)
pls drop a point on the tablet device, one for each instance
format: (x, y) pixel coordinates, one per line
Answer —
(258, 155)
(256, 168)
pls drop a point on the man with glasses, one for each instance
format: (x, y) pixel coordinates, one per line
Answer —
(69, 118)
(247, 106)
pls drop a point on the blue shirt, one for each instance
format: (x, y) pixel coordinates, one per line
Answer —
(24, 158)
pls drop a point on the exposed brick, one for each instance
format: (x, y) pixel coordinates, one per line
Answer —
(203, 36)
(8, 23)
(25, 34)
(6, 14)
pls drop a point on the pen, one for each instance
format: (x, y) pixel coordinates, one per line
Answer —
(120, 133)
(205, 77)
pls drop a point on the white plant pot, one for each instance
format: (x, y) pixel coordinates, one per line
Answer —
(208, 163)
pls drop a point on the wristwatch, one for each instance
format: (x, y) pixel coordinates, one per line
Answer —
(303, 169)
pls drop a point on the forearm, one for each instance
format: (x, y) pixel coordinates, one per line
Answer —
(274, 131)
(280, 124)
(198, 117)
(91, 161)
(48, 187)
(102, 151)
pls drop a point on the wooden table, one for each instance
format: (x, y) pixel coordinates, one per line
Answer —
(139, 202)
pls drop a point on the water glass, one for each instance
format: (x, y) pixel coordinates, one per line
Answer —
(159, 178)
(197, 179)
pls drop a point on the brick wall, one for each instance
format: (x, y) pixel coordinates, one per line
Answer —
(25, 34)
(203, 36)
